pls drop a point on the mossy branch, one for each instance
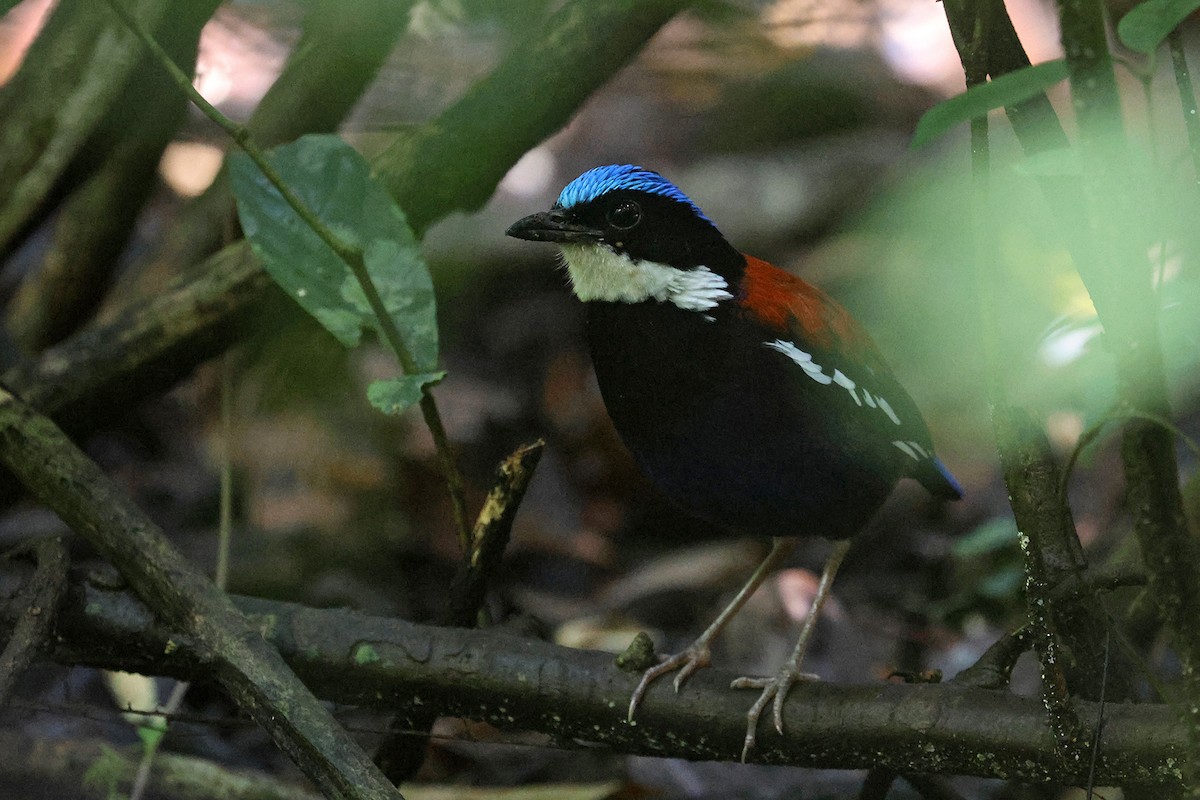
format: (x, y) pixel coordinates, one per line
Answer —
(572, 694)
(1118, 279)
(57, 473)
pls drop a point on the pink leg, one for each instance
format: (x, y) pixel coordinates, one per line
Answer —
(698, 653)
(776, 689)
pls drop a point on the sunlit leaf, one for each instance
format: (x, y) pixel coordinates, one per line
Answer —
(333, 180)
(1006, 90)
(394, 395)
(1147, 24)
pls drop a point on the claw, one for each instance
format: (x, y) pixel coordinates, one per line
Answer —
(697, 654)
(687, 662)
(774, 691)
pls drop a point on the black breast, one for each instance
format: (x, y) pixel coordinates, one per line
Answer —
(725, 427)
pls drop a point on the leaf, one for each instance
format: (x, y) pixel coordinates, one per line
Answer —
(335, 182)
(106, 772)
(151, 736)
(1006, 90)
(1147, 24)
(394, 395)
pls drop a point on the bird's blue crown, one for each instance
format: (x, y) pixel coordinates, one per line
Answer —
(600, 180)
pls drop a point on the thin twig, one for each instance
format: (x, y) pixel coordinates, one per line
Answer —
(401, 751)
(1091, 781)
(490, 536)
(993, 669)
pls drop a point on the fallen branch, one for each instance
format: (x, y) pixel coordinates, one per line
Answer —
(573, 695)
(248, 668)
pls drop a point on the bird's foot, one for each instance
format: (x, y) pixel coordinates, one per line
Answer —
(774, 692)
(697, 655)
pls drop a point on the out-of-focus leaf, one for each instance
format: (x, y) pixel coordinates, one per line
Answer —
(394, 395)
(1005, 582)
(992, 536)
(1006, 90)
(333, 180)
(1147, 24)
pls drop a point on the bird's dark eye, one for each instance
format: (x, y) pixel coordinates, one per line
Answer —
(625, 215)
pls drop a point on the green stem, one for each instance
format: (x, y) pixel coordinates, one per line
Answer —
(351, 255)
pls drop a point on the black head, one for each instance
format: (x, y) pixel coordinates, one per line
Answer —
(634, 213)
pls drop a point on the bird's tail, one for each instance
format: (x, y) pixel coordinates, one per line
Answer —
(933, 475)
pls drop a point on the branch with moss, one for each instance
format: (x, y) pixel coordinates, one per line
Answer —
(92, 376)
(1068, 635)
(94, 224)
(570, 695)
(58, 474)
(1120, 285)
(65, 99)
(456, 160)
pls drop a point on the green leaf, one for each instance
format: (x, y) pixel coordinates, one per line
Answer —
(1006, 90)
(1147, 24)
(394, 395)
(151, 735)
(335, 182)
(106, 772)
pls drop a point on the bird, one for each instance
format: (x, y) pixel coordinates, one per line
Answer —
(750, 397)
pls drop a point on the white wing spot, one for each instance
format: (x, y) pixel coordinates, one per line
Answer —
(906, 448)
(804, 360)
(850, 386)
(814, 370)
(887, 409)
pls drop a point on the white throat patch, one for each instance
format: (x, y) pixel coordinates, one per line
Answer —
(599, 273)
